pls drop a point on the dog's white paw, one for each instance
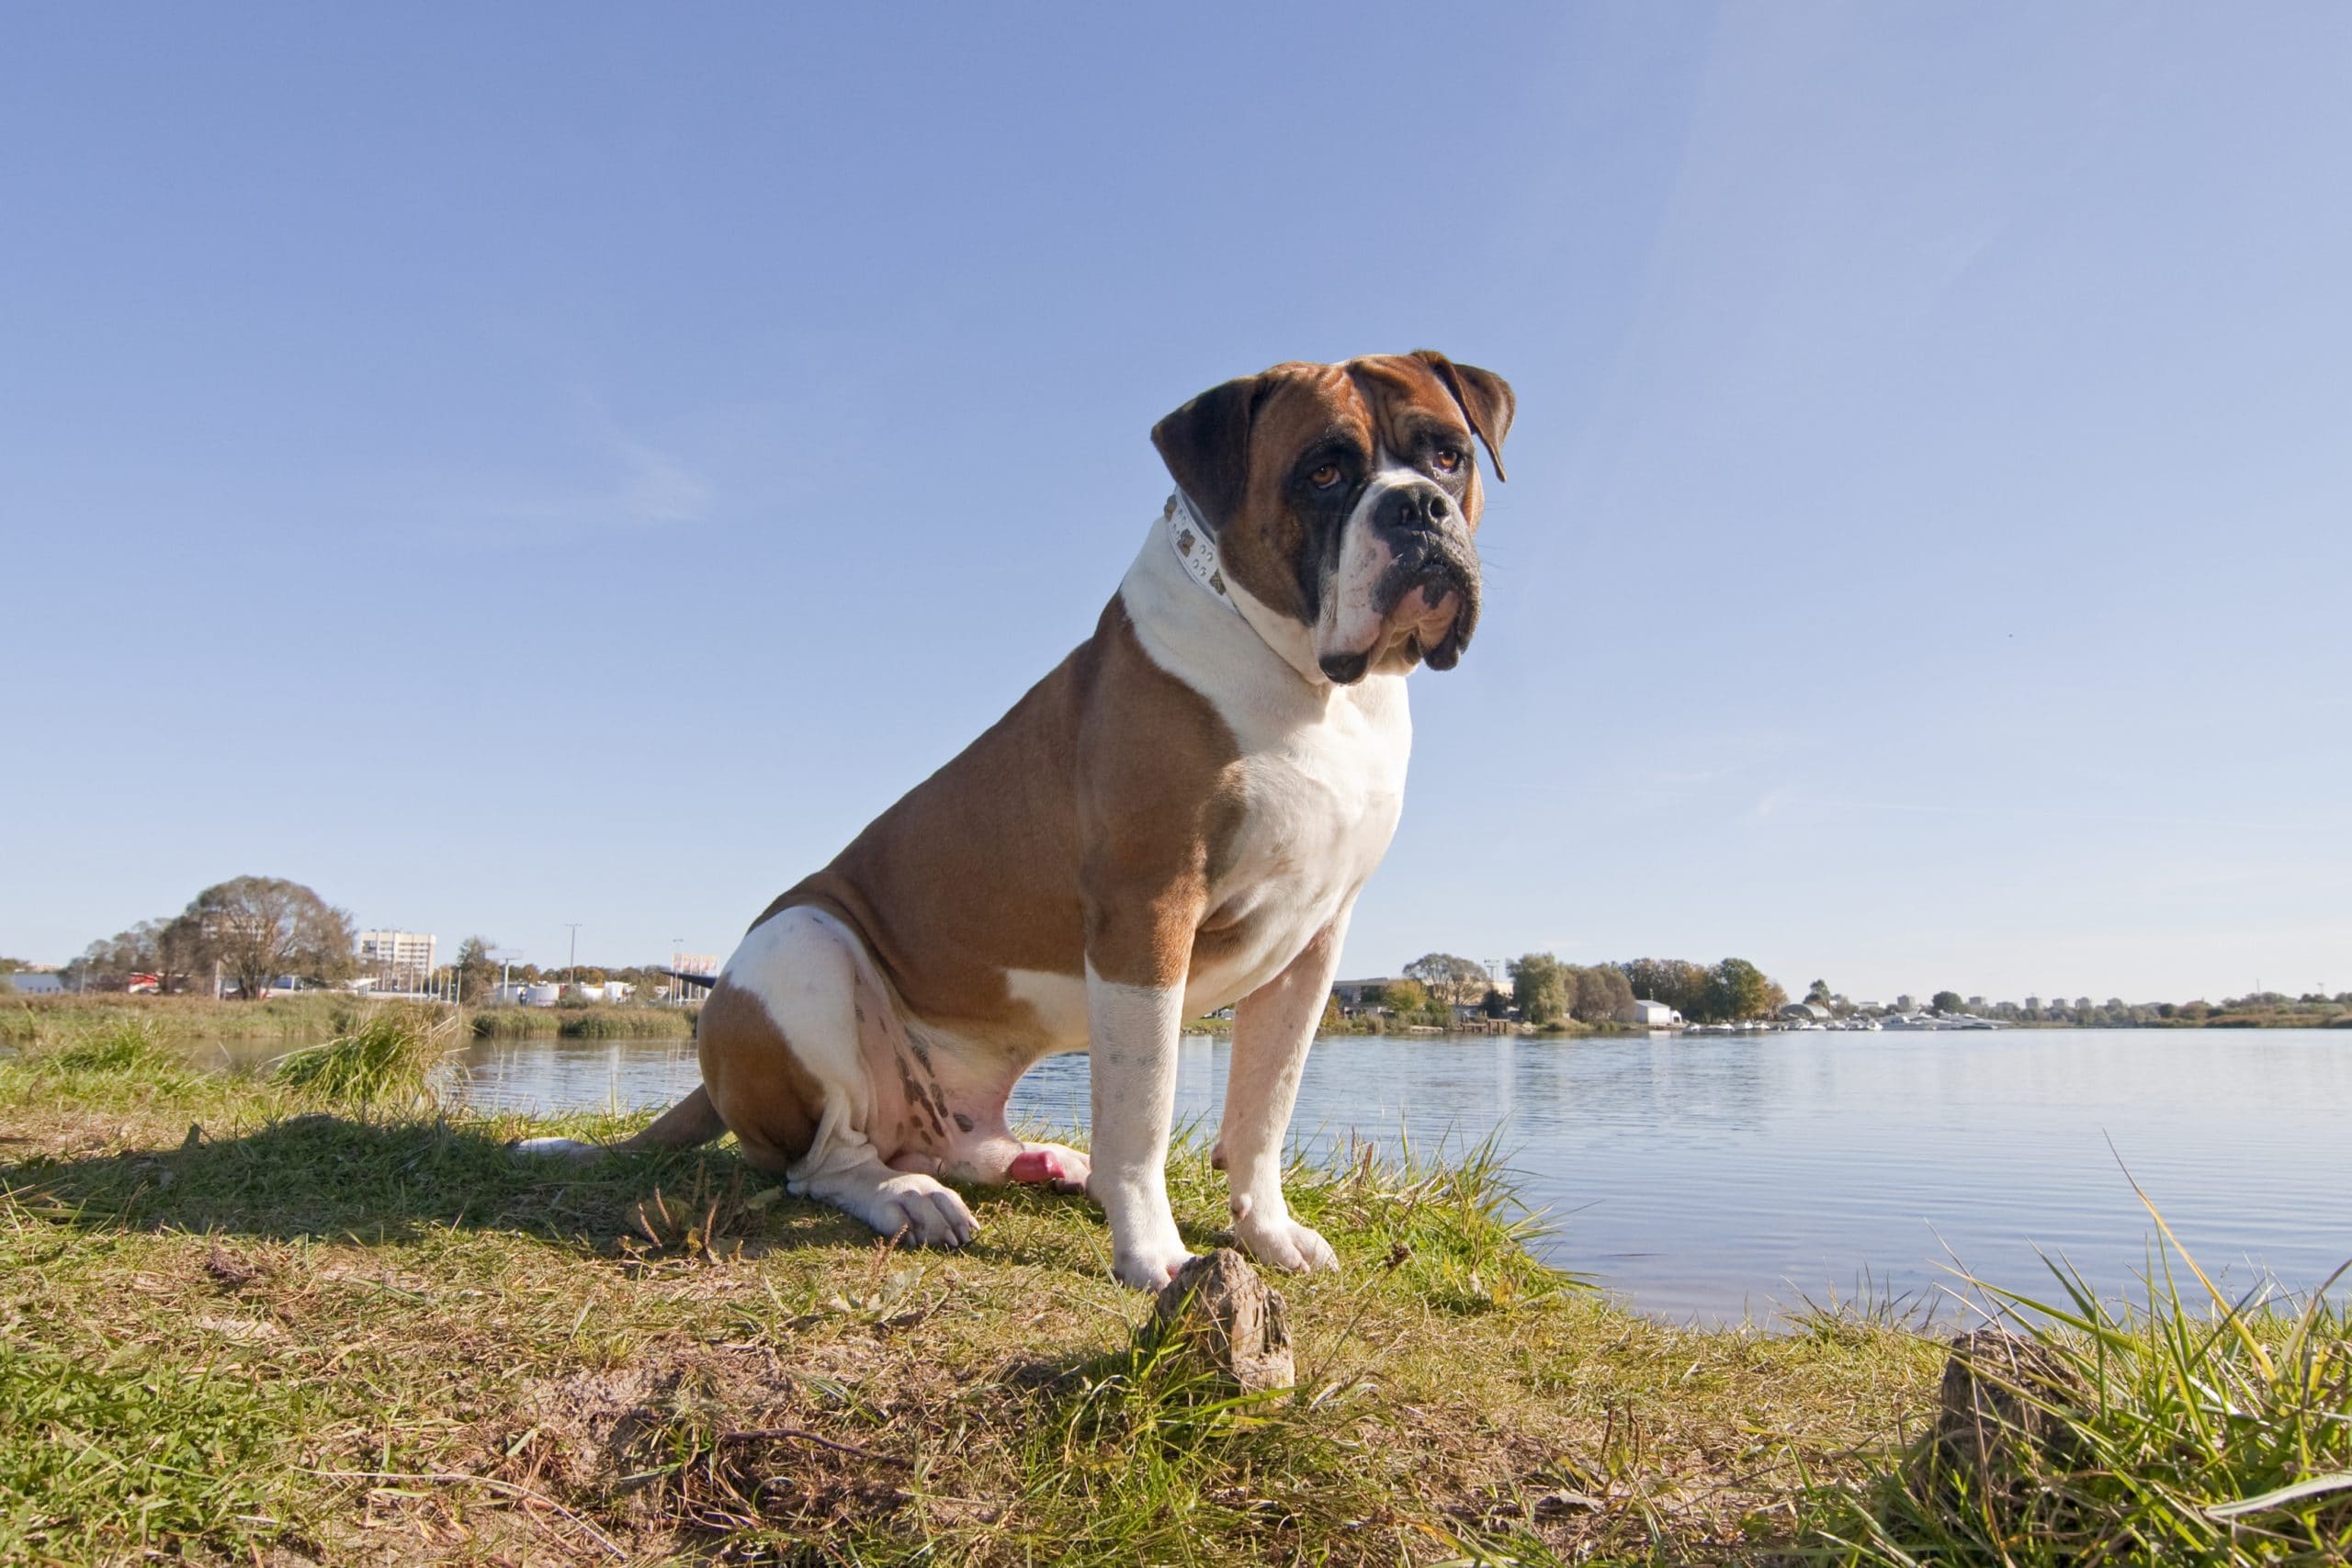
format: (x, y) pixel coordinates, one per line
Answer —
(920, 1212)
(1147, 1252)
(1150, 1269)
(1286, 1244)
(555, 1148)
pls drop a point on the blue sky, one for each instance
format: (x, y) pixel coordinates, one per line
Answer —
(515, 465)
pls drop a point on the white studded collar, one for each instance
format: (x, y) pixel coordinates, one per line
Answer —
(1197, 552)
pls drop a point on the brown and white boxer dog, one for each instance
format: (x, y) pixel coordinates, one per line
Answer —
(1177, 819)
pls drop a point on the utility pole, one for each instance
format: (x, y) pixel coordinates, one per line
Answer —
(573, 962)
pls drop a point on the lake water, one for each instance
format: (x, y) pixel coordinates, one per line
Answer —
(1719, 1176)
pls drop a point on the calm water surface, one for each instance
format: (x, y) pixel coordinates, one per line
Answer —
(1723, 1176)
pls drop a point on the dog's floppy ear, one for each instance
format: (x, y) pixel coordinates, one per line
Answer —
(1485, 398)
(1206, 445)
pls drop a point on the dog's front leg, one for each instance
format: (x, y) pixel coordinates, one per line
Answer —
(1272, 1027)
(1138, 953)
(1135, 1030)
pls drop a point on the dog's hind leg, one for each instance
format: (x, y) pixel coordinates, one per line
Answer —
(809, 1060)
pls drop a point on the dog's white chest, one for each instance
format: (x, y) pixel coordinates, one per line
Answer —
(1320, 802)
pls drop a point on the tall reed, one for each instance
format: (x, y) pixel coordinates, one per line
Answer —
(2194, 1428)
(395, 1057)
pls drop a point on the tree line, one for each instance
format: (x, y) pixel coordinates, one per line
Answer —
(1724, 992)
(1546, 989)
(259, 930)
(249, 930)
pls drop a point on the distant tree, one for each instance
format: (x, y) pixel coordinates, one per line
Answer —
(1494, 1004)
(1405, 996)
(108, 963)
(1818, 993)
(1455, 981)
(1602, 992)
(1678, 983)
(1738, 989)
(13, 965)
(1947, 1002)
(262, 927)
(1536, 985)
(477, 971)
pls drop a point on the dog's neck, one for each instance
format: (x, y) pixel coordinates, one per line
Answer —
(1195, 551)
(1177, 592)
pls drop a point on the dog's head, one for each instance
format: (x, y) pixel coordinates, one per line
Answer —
(1345, 497)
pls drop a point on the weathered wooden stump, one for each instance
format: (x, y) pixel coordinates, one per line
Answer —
(1228, 1317)
(1995, 1418)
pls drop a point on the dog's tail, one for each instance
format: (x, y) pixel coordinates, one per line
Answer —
(692, 1120)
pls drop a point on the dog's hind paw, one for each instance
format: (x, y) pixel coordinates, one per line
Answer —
(1053, 1166)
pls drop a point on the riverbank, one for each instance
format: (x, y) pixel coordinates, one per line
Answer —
(316, 1015)
(273, 1327)
(592, 1022)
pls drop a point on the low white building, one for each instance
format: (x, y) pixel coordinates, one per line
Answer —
(1648, 1015)
(1356, 995)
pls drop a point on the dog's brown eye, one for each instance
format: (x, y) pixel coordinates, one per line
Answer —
(1324, 477)
(1447, 459)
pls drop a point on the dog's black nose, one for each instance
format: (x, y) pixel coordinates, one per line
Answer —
(1411, 509)
(1347, 668)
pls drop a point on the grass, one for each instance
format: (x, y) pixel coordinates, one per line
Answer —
(2191, 1428)
(239, 1324)
(395, 1057)
(582, 1022)
(32, 1020)
(29, 1020)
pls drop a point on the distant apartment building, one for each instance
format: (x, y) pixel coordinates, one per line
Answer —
(398, 961)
